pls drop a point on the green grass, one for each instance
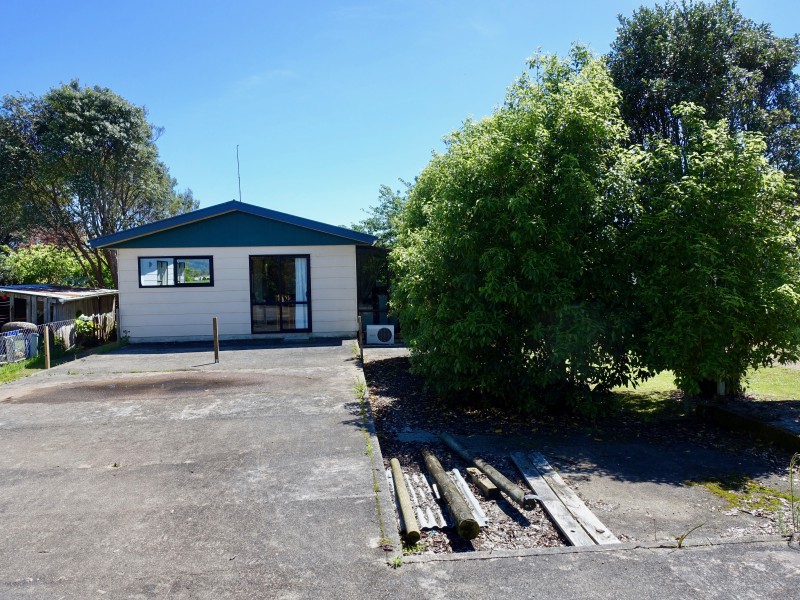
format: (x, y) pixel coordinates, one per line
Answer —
(775, 383)
(29, 366)
(653, 399)
(658, 397)
(23, 368)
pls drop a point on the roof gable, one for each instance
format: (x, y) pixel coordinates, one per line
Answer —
(232, 224)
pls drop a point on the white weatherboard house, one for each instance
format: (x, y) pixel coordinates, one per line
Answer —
(260, 272)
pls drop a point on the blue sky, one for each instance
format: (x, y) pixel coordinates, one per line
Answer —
(327, 100)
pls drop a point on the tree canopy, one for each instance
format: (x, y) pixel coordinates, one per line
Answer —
(543, 257)
(710, 241)
(708, 54)
(82, 162)
(41, 263)
(382, 219)
(500, 283)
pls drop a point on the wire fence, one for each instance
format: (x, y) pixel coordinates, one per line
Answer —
(27, 341)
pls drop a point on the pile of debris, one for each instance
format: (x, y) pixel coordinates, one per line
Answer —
(443, 501)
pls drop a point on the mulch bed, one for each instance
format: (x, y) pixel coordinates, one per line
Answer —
(401, 405)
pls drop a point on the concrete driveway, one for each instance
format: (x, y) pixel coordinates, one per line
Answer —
(152, 473)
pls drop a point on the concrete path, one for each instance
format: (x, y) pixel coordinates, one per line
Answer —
(154, 473)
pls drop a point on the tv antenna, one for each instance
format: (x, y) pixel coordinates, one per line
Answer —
(238, 172)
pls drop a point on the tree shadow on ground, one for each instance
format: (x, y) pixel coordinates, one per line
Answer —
(647, 437)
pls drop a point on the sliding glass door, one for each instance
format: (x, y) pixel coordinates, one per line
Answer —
(280, 293)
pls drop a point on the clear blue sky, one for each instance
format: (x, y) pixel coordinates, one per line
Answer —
(327, 100)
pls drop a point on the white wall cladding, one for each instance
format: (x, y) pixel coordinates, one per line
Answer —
(184, 313)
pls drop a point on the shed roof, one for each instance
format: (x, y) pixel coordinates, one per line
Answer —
(61, 293)
(234, 231)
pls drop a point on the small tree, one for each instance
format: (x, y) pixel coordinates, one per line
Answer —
(711, 248)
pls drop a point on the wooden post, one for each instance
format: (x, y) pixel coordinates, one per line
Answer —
(404, 503)
(216, 339)
(46, 347)
(466, 525)
(114, 316)
(516, 493)
(360, 340)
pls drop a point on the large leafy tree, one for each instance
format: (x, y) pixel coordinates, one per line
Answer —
(502, 288)
(710, 243)
(40, 263)
(710, 55)
(83, 162)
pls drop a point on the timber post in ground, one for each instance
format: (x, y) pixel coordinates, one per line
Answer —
(46, 347)
(360, 337)
(216, 339)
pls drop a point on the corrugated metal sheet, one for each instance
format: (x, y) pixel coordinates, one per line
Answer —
(429, 507)
(429, 513)
(477, 511)
(58, 292)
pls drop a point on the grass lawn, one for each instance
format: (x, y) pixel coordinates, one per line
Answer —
(775, 383)
(778, 383)
(26, 367)
(29, 366)
(656, 397)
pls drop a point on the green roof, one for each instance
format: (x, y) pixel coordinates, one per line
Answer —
(232, 224)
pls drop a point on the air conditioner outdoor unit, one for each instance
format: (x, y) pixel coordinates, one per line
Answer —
(380, 334)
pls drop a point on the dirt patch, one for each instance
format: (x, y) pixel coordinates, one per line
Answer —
(199, 384)
(637, 471)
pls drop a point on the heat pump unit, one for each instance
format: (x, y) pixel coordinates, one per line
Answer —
(380, 334)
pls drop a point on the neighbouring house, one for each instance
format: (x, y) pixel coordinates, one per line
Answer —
(44, 303)
(260, 272)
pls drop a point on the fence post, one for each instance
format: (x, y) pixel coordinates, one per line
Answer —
(46, 347)
(216, 339)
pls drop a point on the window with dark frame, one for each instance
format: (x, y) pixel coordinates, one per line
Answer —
(176, 271)
(280, 293)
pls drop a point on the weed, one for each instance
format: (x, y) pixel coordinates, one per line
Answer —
(360, 389)
(681, 538)
(116, 465)
(782, 528)
(396, 562)
(417, 548)
(793, 500)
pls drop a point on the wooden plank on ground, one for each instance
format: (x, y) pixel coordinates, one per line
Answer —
(587, 519)
(562, 518)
